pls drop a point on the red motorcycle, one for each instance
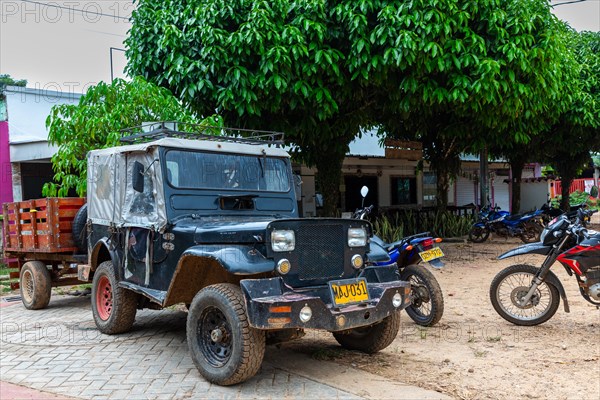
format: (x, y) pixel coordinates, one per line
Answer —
(527, 295)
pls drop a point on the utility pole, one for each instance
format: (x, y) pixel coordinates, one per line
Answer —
(112, 74)
(484, 189)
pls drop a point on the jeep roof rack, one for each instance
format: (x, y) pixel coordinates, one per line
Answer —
(186, 130)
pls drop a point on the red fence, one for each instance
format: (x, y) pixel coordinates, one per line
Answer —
(577, 184)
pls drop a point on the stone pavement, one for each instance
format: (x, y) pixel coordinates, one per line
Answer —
(58, 350)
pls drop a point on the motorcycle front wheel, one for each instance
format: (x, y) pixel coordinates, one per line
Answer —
(426, 300)
(478, 234)
(511, 284)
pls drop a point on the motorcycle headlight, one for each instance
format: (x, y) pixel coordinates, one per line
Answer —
(357, 237)
(283, 240)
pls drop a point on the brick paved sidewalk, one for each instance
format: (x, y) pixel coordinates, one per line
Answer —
(59, 350)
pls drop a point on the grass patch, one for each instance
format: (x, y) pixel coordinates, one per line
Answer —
(326, 354)
(5, 284)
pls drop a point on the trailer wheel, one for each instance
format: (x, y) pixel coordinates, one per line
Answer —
(35, 284)
(113, 307)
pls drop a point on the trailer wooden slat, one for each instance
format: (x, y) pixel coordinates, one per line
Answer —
(41, 225)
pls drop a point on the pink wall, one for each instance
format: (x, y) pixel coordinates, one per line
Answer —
(6, 194)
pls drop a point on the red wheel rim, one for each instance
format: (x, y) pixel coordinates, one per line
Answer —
(104, 301)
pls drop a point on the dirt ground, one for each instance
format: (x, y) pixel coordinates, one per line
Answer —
(472, 353)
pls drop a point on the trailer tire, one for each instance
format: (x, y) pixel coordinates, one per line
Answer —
(113, 307)
(79, 229)
(35, 285)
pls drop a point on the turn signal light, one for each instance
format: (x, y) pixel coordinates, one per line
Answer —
(280, 309)
(438, 240)
(409, 247)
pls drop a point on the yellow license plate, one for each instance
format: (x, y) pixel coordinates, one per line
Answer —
(349, 291)
(432, 254)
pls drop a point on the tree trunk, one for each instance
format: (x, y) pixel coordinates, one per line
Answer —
(329, 176)
(443, 182)
(565, 182)
(516, 167)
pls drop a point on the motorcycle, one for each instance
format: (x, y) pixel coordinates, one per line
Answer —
(526, 226)
(526, 295)
(549, 213)
(427, 301)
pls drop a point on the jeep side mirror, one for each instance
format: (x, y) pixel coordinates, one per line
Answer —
(137, 177)
(364, 191)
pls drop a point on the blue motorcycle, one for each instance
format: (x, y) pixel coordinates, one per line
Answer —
(527, 227)
(427, 301)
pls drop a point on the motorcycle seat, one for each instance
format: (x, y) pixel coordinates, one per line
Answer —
(514, 217)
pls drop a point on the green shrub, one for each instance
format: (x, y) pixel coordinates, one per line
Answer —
(405, 223)
(575, 198)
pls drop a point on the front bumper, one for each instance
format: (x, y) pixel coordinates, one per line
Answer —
(271, 304)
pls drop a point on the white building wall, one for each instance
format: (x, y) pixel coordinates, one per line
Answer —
(27, 112)
(534, 195)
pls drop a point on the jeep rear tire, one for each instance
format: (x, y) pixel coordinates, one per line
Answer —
(113, 307)
(370, 339)
(35, 284)
(224, 347)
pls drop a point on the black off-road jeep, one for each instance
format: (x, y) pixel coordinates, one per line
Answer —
(213, 223)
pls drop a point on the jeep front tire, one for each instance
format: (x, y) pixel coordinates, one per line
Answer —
(370, 339)
(113, 307)
(224, 347)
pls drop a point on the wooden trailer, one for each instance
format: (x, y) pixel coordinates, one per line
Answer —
(38, 241)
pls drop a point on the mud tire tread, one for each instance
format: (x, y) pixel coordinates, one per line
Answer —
(42, 285)
(125, 303)
(248, 357)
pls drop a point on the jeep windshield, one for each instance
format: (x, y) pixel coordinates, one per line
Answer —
(221, 171)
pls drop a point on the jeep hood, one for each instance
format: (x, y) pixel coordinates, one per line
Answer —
(230, 231)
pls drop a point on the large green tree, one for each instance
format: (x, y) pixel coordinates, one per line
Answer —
(96, 121)
(321, 70)
(483, 75)
(568, 142)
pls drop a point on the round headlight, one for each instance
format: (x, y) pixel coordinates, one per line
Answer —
(397, 300)
(283, 240)
(357, 261)
(305, 314)
(283, 266)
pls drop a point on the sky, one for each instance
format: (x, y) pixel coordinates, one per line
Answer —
(65, 45)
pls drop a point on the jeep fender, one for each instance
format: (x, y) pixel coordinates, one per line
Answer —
(204, 265)
(103, 251)
(238, 260)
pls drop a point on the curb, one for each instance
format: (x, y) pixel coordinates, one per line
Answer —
(9, 391)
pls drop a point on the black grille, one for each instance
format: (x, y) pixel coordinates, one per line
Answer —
(320, 251)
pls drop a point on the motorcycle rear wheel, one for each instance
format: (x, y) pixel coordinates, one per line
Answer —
(532, 231)
(511, 284)
(478, 234)
(427, 301)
